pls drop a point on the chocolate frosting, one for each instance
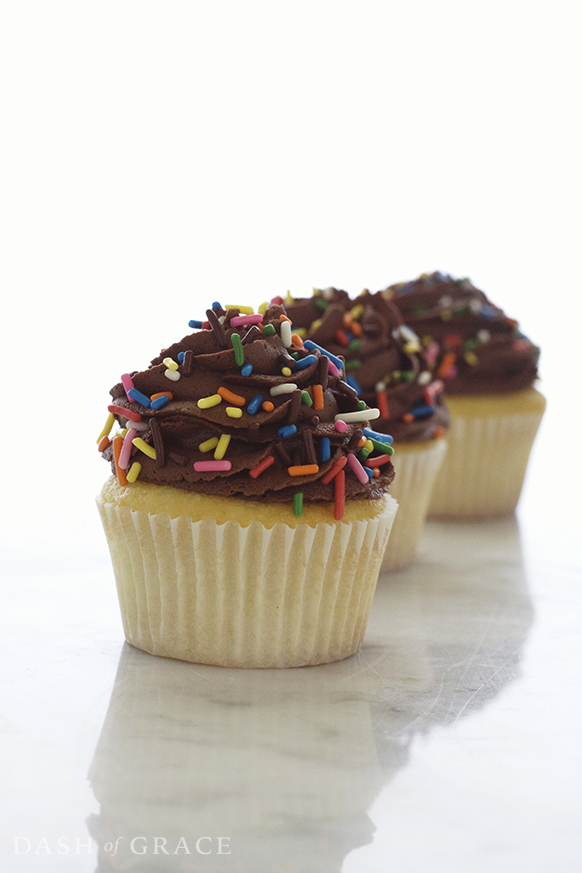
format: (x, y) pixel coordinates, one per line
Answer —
(470, 343)
(384, 359)
(204, 364)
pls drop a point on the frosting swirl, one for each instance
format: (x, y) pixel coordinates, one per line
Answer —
(469, 342)
(385, 363)
(239, 408)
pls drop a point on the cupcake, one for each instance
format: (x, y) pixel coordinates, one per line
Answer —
(244, 529)
(386, 367)
(489, 369)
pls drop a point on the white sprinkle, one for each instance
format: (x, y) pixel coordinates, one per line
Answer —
(446, 300)
(286, 333)
(483, 336)
(408, 334)
(424, 378)
(475, 304)
(361, 415)
(380, 386)
(173, 375)
(139, 425)
(286, 388)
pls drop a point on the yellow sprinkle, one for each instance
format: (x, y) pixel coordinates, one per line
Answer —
(208, 445)
(315, 325)
(300, 331)
(286, 371)
(288, 298)
(206, 402)
(356, 311)
(106, 427)
(369, 445)
(144, 447)
(246, 310)
(170, 364)
(426, 341)
(411, 347)
(222, 446)
(122, 432)
(134, 471)
(315, 291)
(263, 308)
(233, 412)
(446, 315)
(471, 358)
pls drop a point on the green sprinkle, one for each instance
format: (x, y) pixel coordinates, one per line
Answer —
(363, 454)
(383, 448)
(470, 344)
(298, 503)
(354, 345)
(306, 399)
(406, 375)
(321, 303)
(361, 405)
(239, 354)
(269, 330)
(295, 355)
(353, 365)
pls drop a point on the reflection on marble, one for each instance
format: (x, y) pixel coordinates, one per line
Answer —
(287, 763)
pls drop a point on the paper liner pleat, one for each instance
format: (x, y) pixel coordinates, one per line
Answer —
(412, 487)
(244, 596)
(484, 468)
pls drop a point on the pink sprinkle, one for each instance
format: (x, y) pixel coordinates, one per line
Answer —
(211, 466)
(432, 352)
(433, 389)
(340, 426)
(127, 383)
(126, 448)
(332, 368)
(245, 319)
(361, 474)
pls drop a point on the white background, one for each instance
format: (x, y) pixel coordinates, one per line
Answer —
(157, 156)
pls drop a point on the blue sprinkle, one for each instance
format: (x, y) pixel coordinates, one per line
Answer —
(247, 370)
(349, 335)
(324, 449)
(216, 305)
(487, 311)
(286, 431)
(351, 380)
(197, 325)
(310, 345)
(181, 357)
(302, 363)
(255, 404)
(422, 411)
(136, 395)
(380, 437)
(369, 472)
(160, 401)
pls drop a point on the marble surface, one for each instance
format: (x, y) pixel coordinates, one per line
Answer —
(451, 742)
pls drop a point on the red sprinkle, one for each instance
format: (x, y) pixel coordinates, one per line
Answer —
(439, 432)
(340, 495)
(452, 340)
(266, 462)
(278, 300)
(205, 325)
(123, 410)
(335, 468)
(377, 462)
(342, 338)
(383, 404)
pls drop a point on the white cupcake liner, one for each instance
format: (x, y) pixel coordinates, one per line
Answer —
(483, 472)
(416, 471)
(244, 596)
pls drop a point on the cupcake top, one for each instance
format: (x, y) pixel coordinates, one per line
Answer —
(241, 407)
(385, 363)
(470, 343)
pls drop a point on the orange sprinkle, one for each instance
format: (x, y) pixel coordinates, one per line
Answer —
(305, 470)
(285, 318)
(318, 396)
(376, 472)
(447, 361)
(408, 417)
(268, 406)
(167, 394)
(117, 444)
(296, 340)
(235, 399)
(439, 432)
(103, 444)
(356, 328)
(362, 442)
(347, 320)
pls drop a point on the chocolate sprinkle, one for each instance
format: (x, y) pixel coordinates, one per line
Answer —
(158, 442)
(217, 329)
(294, 407)
(188, 364)
(282, 452)
(355, 439)
(322, 371)
(309, 447)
